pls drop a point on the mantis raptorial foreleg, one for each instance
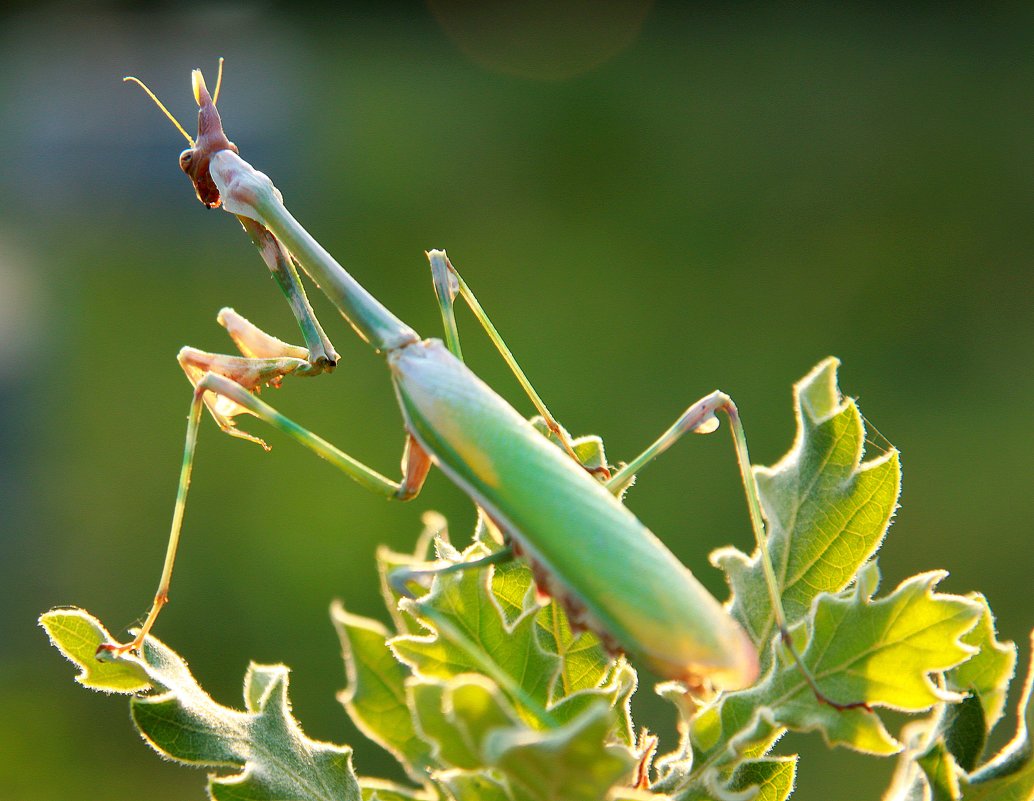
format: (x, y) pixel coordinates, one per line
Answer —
(225, 384)
(320, 351)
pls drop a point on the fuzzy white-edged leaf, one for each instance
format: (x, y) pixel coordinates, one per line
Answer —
(826, 510)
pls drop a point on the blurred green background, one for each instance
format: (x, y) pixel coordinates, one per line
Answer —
(651, 201)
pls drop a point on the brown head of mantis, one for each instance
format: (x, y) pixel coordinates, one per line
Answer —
(196, 162)
(211, 138)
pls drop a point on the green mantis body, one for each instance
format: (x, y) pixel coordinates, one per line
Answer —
(588, 550)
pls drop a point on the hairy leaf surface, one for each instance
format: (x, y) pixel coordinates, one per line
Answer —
(263, 747)
(376, 695)
(826, 511)
(77, 635)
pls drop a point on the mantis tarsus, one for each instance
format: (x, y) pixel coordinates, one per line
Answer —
(587, 549)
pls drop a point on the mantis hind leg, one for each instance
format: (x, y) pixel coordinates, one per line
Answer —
(702, 418)
(447, 285)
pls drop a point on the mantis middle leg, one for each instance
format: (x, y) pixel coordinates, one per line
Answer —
(447, 285)
(701, 418)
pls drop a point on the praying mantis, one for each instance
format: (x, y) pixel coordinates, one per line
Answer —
(563, 516)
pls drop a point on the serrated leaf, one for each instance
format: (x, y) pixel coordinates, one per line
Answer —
(826, 511)
(878, 652)
(481, 622)
(1009, 776)
(569, 763)
(988, 673)
(473, 728)
(456, 716)
(583, 661)
(585, 672)
(882, 652)
(617, 690)
(469, 634)
(773, 777)
(951, 742)
(77, 635)
(426, 702)
(375, 698)
(770, 779)
(275, 760)
(678, 762)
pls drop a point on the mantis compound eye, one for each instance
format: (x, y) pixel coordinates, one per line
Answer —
(186, 158)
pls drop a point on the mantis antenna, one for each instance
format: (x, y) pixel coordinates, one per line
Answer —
(161, 105)
(218, 82)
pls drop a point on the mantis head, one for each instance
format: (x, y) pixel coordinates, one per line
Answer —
(211, 138)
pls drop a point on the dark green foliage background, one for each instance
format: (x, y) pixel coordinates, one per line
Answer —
(735, 195)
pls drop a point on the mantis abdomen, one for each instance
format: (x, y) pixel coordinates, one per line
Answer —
(596, 554)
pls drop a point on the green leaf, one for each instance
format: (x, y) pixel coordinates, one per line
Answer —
(489, 621)
(988, 673)
(77, 635)
(827, 512)
(585, 672)
(468, 633)
(679, 761)
(275, 760)
(569, 763)
(882, 652)
(508, 697)
(773, 777)
(965, 731)
(375, 698)
(950, 743)
(473, 728)
(861, 651)
(770, 779)
(456, 715)
(474, 786)
(1009, 776)
(942, 773)
(583, 661)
